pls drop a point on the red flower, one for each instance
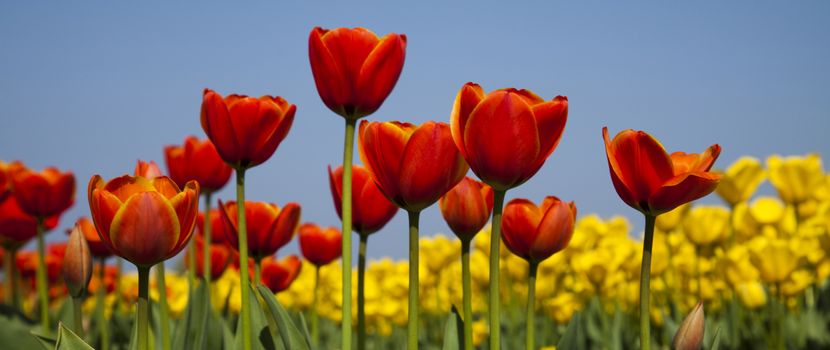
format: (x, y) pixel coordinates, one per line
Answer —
(27, 262)
(278, 275)
(506, 135)
(412, 166)
(77, 263)
(246, 130)
(110, 277)
(42, 194)
(370, 208)
(535, 233)
(320, 246)
(197, 160)
(220, 258)
(467, 207)
(148, 170)
(217, 226)
(97, 247)
(17, 227)
(5, 185)
(652, 181)
(269, 227)
(144, 221)
(353, 69)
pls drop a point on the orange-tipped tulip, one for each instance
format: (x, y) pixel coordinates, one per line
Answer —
(42, 194)
(144, 221)
(16, 227)
(370, 208)
(506, 135)
(353, 69)
(149, 170)
(97, 248)
(650, 180)
(278, 275)
(535, 233)
(197, 160)
(467, 207)
(245, 130)
(217, 226)
(269, 226)
(77, 263)
(220, 257)
(320, 246)
(412, 166)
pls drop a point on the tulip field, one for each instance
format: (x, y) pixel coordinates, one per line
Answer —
(160, 262)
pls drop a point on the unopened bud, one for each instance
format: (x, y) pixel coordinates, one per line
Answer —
(690, 334)
(77, 263)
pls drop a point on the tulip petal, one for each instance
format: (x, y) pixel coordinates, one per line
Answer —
(145, 229)
(519, 225)
(371, 210)
(381, 147)
(166, 187)
(555, 229)
(467, 99)
(350, 48)
(186, 205)
(683, 189)
(336, 187)
(273, 140)
(104, 206)
(126, 186)
(639, 165)
(329, 76)
(255, 121)
(379, 73)
(430, 166)
(550, 121)
(216, 122)
(283, 228)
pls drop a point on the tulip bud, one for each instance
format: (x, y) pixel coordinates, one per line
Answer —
(690, 334)
(77, 263)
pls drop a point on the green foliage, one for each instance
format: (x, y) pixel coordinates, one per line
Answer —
(291, 336)
(68, 340)
(454, 331)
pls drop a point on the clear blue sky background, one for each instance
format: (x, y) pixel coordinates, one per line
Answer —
(93, 86)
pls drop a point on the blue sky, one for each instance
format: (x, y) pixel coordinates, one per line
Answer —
(93, 86)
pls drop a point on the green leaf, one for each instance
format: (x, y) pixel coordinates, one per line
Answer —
(46, 339)
(574, 337)
(454, 331)
(292, 338)
(192, 330)
(260, 332)
(68, 340)
(227, 334)
(716, 340)
(16, 329)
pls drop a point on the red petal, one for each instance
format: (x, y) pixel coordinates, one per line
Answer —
(430, 166)
(379, 74)
(381, 147)
(550, 120)
(467, 99)
(554, 230)
(640, 164)
(683, 189)
(519, 222)
(329, 77)
(145, 229)
(217, 124)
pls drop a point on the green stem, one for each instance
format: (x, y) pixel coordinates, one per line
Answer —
(191, 265)
(119, 267)
(257, 272)
(466, 286)
(9, 264)
(161, 286)
(315, 330)
(495, 245)
(346, 205)
(42, 286)
(78, 321)
(412, 326)
(245, 282)
(143, 306)
(530, 339)
(361, 293)
(99, 305)
(645, 280)
(208, 240)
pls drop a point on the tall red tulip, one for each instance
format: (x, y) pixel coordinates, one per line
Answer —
(27, 261)
(245, 130)
(278, 275)
(220, 257)
(320, 246)
(353, 69)
(466, 207)
(16, 227)
(197, 160)
(534, 233)
(97, 247)
(42, 194)
(370, 208)
(269, 226)
(217, 226)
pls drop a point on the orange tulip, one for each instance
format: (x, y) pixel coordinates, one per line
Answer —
(97, 248)
(110, 277)
(370, 209)
(506, 135)
(77, 263)
(353, 69)
(42, 194)
(320, 246)
(467, 207)
(197, 160)
(27, 262)
(535, 233)
(217, 226)
(278, 275)
(149, 170)
(220, 258)
(245, 130)
(652, 181)
(16, 227)
(269, 227)
(144, 221)
(412, 166)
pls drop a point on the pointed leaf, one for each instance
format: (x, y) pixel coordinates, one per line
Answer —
(260, 332)
(454, 331)
(291, 336)
(191, 332)
(68, 340)
(574, 338)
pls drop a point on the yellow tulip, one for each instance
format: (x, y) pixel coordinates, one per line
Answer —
(767, 210)
(669, 221)
(752, 294)
(706, 224)
(775, 259)
(797, 282)
(796, 178)
(736, 266)
(740, 180)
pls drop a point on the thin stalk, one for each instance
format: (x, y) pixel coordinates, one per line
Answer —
(495, 244)
(119, 267)
(245, 318)
(346, 205)
(530, 339)
(78, 321)
(645, 281)
(143, 306)
(361, 293)
(99, 307)
(12, 293)
(315, 330)
(164, 312)
(191, 265)
(412, 326)
(257, 271)
(208, 239)
(42, 286)
(466, 286)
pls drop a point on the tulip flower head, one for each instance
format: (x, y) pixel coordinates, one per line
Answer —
(741, 180)
(26, 262)
(412, 165)
(5, 186)
(42, 194)
(652, 181)
(353, 69)
(269, 226)
(506, 135)
(278, 275)
(466, 207)
(796, 178)
(220, 257)
(689, 335)
(217, 226)
(141, 220)
(97, 247)
(77, 263)
(370, 208)
(246, 130)
(534, 233)
(197, 160)
(320, 246)
(16, 227)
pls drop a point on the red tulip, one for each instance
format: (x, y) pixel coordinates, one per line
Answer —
(535, 233)
(320, 246)
(197, 160)
(278, 275)
(412, 166)
(110, 277)
(269, 227)
(27, 262)
(353, 69)
(220, 258)
(42, 194)
(17, 227)
(217, 226)
(506, 135)
(370, 209)
(149, 170)
(467, 207)
(144, 221)
(5, 186)
(77, 263)
(245, 130)
(97, 247)
(652, 181)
